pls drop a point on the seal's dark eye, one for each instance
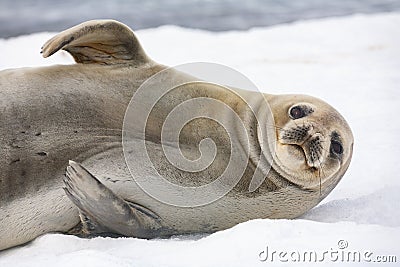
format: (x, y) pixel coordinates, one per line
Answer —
(297, 112)
(336, 147)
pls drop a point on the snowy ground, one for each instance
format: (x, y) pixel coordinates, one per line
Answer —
(353, 63)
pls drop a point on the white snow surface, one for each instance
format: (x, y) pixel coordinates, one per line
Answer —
(353, 63)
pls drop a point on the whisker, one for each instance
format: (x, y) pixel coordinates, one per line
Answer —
(320, 180)
(295, 123)
(276, 126)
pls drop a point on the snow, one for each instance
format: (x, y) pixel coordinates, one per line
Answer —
(352, 63)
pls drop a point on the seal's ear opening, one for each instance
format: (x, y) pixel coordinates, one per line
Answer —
(98, 41)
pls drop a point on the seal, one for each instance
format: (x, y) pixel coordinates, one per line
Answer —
(54, 117)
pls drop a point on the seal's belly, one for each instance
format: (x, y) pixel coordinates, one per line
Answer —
(25, 218)
(235, 207)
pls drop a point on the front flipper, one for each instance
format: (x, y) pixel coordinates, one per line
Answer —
(98, 41)
(104, 212)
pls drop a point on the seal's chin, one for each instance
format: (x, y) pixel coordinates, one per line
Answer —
(293, 164)
(297, 152)
(292, 156)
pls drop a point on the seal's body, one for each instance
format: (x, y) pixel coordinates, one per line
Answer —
(50, 115)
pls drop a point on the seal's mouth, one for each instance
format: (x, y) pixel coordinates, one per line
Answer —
(296, 154)
(299, 152)
(294, 162)
(301, 146)
(296, 151)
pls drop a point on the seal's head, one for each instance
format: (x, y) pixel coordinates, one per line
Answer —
(314, 142)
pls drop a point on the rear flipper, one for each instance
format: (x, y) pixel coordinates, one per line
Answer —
(104, 42)
(104, 213)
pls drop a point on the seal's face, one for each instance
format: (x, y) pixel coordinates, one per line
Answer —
(314, 142)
